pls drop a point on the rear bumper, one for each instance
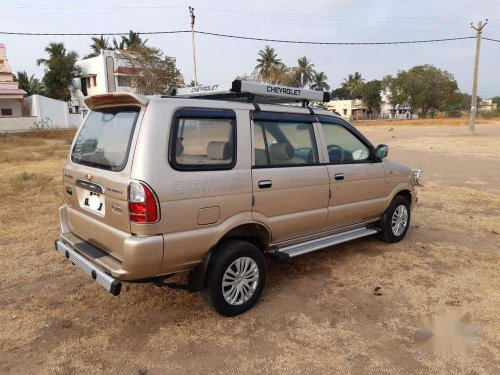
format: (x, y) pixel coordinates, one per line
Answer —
(124, 256)
(109, 283)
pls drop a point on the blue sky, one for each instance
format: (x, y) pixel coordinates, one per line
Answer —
(220, 60)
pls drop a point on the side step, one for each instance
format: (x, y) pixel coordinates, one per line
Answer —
(320, 243)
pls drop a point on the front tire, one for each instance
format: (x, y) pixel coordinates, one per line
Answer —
(396, 220)
(235, 278)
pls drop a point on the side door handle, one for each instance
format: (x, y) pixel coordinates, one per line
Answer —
(265, 184)
(339, 176)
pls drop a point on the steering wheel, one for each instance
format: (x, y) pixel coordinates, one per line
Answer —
(335, 153)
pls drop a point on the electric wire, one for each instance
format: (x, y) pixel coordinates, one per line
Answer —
(220, 35)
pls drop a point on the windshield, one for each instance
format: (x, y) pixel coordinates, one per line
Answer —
(104, 140)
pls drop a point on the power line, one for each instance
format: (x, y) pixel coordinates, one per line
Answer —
(332, 43)
(92, 34)
(301, 15)
(491, 40)
(242, 37)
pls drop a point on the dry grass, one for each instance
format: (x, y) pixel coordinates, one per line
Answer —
(428, 122)
(318, 313)
(460, 145)
(33, 146)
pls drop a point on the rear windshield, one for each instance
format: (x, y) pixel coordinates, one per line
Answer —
(104, 140)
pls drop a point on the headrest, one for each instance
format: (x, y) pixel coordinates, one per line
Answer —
(180, 148)
(281, 151)
(218, 150)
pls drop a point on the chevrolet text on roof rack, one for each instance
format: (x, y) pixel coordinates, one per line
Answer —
(253, 91)
(204, 88)
(283, 90)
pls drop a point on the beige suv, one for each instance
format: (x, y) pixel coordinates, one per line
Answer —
(212, 179)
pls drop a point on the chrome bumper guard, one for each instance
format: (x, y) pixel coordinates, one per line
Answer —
(109, 283)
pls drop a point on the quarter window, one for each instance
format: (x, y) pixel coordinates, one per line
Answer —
(343, 146)
(284, 144)
(201, 143)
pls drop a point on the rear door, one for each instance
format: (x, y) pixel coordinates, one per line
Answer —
(357, 178)
(97, 173)
(290, 186)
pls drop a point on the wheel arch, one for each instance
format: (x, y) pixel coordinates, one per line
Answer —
(255, 233)
(404, 193)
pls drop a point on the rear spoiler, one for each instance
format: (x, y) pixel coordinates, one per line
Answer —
(95, 101)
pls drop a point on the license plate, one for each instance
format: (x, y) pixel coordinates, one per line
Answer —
(93, 202)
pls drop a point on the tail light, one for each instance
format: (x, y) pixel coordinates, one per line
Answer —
(143, 205)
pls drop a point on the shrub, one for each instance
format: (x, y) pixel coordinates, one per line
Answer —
(455, 114)
(491, 114)
(43, 124)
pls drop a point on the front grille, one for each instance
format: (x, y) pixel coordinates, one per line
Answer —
(93, 252)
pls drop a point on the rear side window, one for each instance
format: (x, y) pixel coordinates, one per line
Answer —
(203, 143)
(105, 138)
(284, 144)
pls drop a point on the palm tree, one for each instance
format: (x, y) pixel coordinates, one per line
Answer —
(306, 71)
(319, 82)
(353, 83)
(60, 71)
(98, 45)
(268, 64)
(31, 84)
(54, 50)
(133, 40)
(119, 45)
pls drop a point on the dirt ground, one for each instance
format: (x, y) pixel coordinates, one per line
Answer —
(318, 313)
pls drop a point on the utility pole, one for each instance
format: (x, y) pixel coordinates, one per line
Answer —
(191, 11)
(473, 103)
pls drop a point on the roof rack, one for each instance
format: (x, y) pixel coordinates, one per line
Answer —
(244, 91)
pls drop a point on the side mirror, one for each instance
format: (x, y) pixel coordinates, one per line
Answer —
(381, 151)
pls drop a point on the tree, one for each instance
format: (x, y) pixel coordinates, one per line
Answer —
(438, 91)
(252, 77)
(393, 92)
(424, 87)
(151, 72)
(98, 44)
(31, 84)
(119, 45)
(353, 84)
(319, 82)
(305, 71)
(340, 93)
(286, 76)
(60, 71)
(370, 93)
(133, 40)
(268, 64)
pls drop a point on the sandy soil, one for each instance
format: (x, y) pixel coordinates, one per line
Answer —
(318, 314)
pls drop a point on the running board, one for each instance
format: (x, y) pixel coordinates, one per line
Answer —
(320, 243)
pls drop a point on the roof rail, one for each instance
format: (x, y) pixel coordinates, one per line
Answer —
(244, 91)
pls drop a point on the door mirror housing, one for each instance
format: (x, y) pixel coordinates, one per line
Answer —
(381, 151)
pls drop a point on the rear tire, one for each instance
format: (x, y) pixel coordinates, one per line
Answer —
(396, 220)
(235, 278)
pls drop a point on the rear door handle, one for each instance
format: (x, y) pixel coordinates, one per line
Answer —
(265, 184)
(339, 176)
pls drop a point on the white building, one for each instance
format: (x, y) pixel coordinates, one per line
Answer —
(348, 109)
(101, 74)
(487, 105)
(51, 113)
(390, 112)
